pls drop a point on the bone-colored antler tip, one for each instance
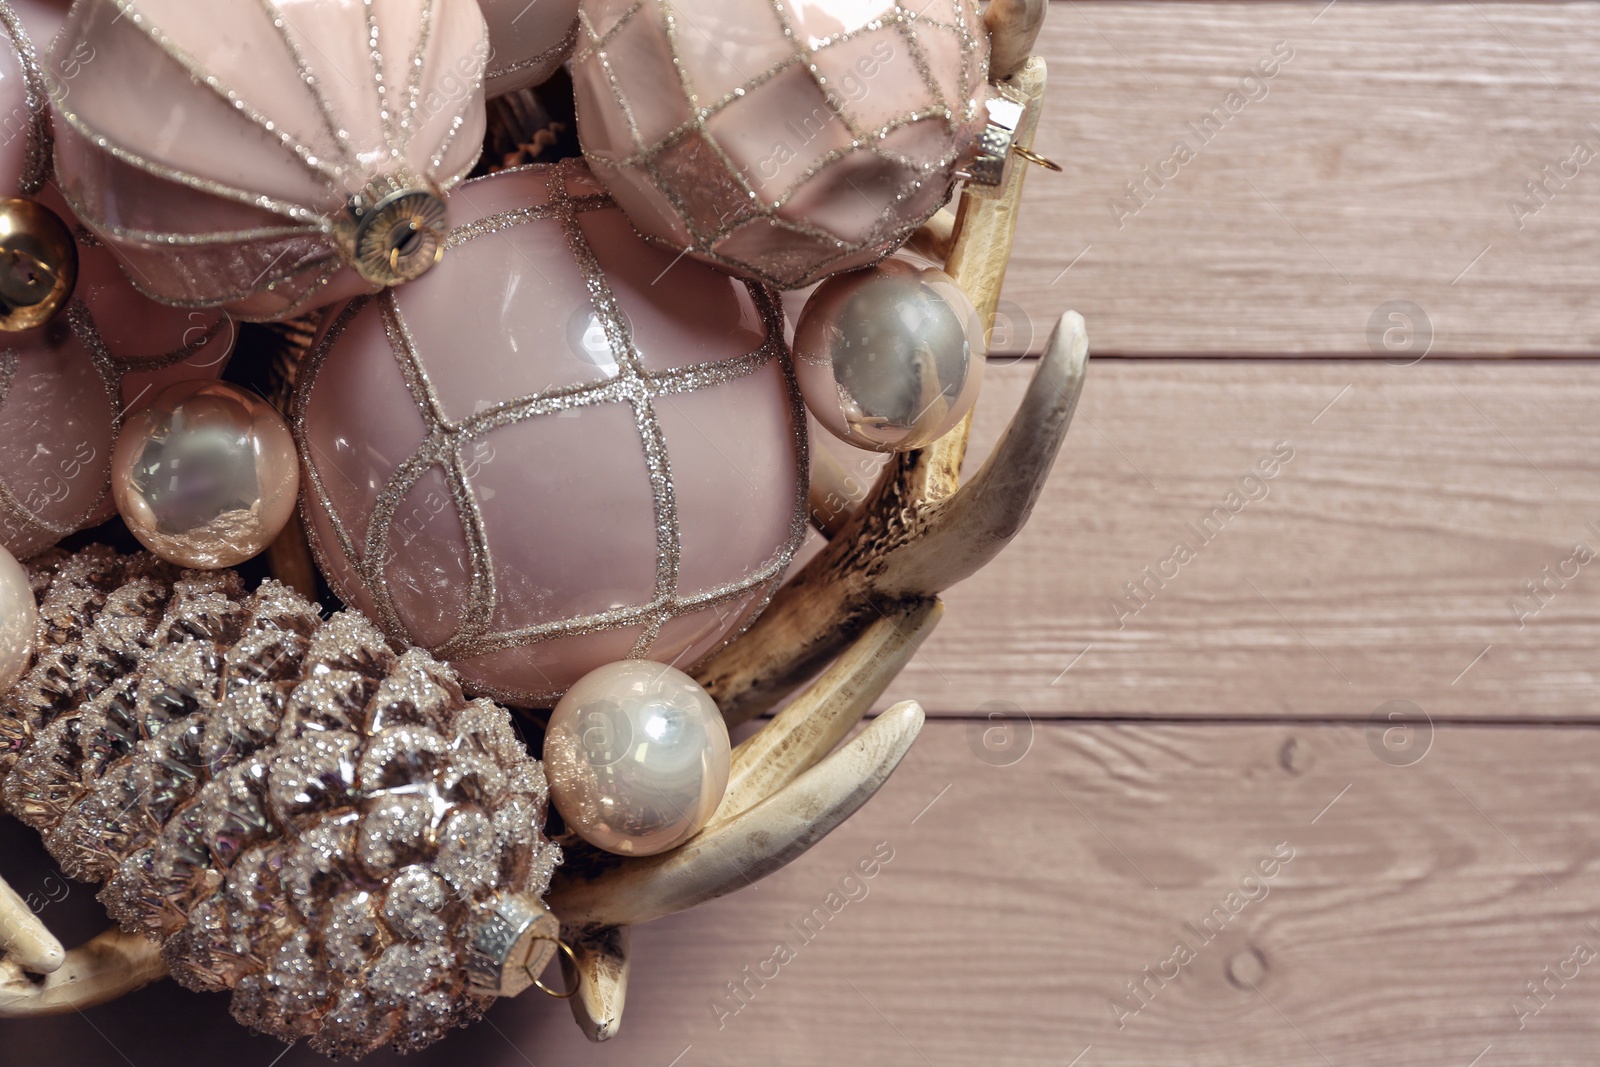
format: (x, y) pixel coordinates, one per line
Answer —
(104, 968)
(24, 938)
(749, 846)
(601, 974)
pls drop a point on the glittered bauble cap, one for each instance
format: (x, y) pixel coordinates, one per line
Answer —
(263, 155)
(781, 142)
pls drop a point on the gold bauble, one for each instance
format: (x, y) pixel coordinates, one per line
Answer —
(38, 264)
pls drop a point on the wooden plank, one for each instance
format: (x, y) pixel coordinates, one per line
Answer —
(1378, 164)
(1022, 899)
(1379, 563)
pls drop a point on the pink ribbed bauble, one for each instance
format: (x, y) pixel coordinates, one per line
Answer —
(65, 385)
(527, 41)
(267, 156)
(558, 449)
(784, 142)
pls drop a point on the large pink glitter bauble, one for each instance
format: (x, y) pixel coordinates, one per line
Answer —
(558, 449)
(65, 386)
(267, 156)
(782, 141)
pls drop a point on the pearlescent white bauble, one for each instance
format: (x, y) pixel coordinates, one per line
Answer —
(637, 755)
(891, 357)
(206, 475)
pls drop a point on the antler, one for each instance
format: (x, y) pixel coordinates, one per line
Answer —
(919, 531)
(103, 968)
(1013, 28)
(783, 796)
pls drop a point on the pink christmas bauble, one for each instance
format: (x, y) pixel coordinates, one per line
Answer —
(268, 157)
(527, 41)
(65, 385)
(562, 447)
(781, 142)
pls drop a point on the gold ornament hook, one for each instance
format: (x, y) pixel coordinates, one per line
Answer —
(572, 957)
(1035, 158)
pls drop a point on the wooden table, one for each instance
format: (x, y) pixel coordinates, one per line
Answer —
(1323, 792)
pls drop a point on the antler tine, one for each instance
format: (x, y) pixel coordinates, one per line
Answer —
(104, 968)
(833, 493)
(967, 530)
(24, 938)
(601, 977)
(749, 846)
(818, 719)
(1013, 27)
(842, 590)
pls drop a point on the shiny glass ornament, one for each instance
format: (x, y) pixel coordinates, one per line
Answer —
(638, 757)
(527, 41)
(206, 475)
(19, 617)
(780, 141)
(891, 357)
(570, 447)
(38, 264)
(303, 149)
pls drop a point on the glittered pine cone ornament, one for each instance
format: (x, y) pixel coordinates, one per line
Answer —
(783, 142)
(267, 157)
(571, 446)
(73, 359)
(292, 810)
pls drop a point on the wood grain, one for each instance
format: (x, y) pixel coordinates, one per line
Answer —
(1022, 898)
(1378, 164)
(1382, 561)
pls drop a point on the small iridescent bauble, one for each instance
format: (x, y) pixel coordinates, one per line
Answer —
(38, 264)
(637, 756)
(889, 358)
(206, 475)
(19, 618)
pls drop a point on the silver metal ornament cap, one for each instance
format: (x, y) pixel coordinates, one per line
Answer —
(394, 230)
(988, 158)
(511, 945)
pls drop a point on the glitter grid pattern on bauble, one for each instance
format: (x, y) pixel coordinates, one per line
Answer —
(645, 507)
(834, 135)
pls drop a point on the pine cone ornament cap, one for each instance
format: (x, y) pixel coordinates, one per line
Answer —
(294, 811)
